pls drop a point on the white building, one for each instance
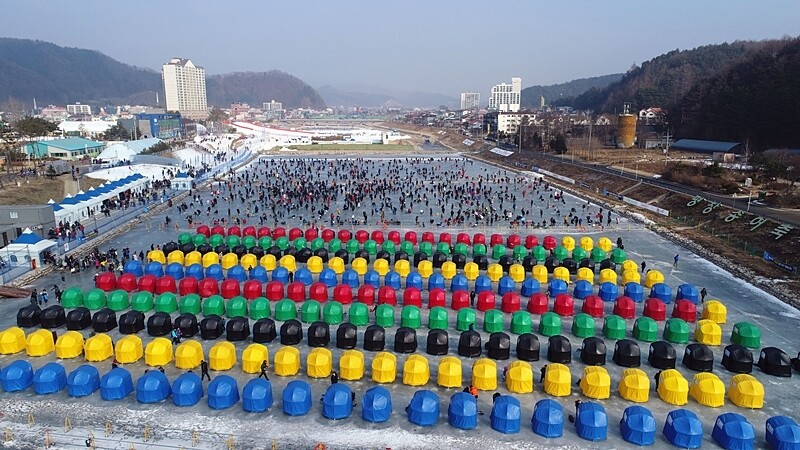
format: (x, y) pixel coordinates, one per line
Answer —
(509, 123)
(506, 97)
(272, 106)
(185, 88)
(470, 100)
(77, 108)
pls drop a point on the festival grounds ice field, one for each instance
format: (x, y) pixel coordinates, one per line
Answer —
(173, 426)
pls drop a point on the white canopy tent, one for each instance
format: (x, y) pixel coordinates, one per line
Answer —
(27, 249)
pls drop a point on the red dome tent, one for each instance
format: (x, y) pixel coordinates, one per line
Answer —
(446, 237)
(278, 232)
(249, 231)
(463, 238)
(234, 231)
(411, 236)
(311, 234)
(230, 289)
(495, 239)
(188, 285)
(513, 240)
(343, 294)
(625, 307)
(510, 302)
(166, 284)
(216, 229)
(204, 230)
(427, 236)
(686, 310)
(252, 289)
(207, 287)
(377, 236)
(366, 294)
(106, 281)
(538, 303)
(460, 300)
(486, 301)
(655, 309)
(127, 282)
(564, 305)
(274, 291)
(478, 238)
(549, 243)
(147, 283)
(394, 236)
(412, 296)
(296, 291)
(593, 306)
(328, 235)
(264, 232)
(531, 241)
(387, 295)
(295, 233)
(437, 297)
(362, 236)
(345, 235)
(318, 291)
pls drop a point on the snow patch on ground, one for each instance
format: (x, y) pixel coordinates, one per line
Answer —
(151, 171)
(192, 156)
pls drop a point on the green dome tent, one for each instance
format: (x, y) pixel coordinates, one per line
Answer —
(333, 313)
(618, 256)
(598, 255)
(190, 304)
(142, 301)
(614, 327)
(539, 253)
(443, 247)
(119, 300)
(746, 334)
(550, 324)
(384, 316)
(358, 314)
(237, 307)
(388, 247)
(166, 302)
(317, 243)
(578, 254)
(407, 247)
(493, 321)
(498, 251)
(583, 326)
(465, 318)
(184, 238)
(265, 242)
(521, 322)
(232, 241)
(282, 243)
(676, 331)
(249, 242)
(198, 239)
(560, 252)
(645, 329)
(259, 308)
(72, 297)
(520, 252)
(95, 299)
(479, 250)
(215, 240)
(437, 319)
(310, 311)
(352, 246)
(410, 317)
(299, 243)
(461, 249)
(334, 245)
(285, 310)
(371, 247)
(214, 305)
(427, 248)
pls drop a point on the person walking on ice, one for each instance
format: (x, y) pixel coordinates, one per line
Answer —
(675, 261)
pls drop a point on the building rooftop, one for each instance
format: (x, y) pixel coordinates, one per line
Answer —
(695, 145)
(73, 144)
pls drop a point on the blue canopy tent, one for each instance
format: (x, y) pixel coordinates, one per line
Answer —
(349, 277)
(459, 283)
(195, 271)
(187, 390)
(296, 398)
(557, 287)
(372, 278)
(582, 289)
(661, 291)
(638, 426)
(506, 414)
(608, 291)
(154, 268)
(463, 411)
(548, 418)
(134, 267)
(688, 292)
(215, 271)
(259, 273)
(239, 273)
(328, 276)
(436, 281)
(116, 384)
(337, 402)
(83, 381)
(634, 291)
(592, 422)
(483, 283)
(414, 280)
(49, 379)
(529, 287)
(423, 410)
(376, 406)
(733, 432)
(303, 275)
(175, 270)
(152, 387)
(783, 433)
(279, 274)
(683, 429)
(506, 284)
(392, 279)
(223, 392)
(257, 395)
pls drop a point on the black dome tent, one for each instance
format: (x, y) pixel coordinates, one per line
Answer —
(469, 344)
(774, 361)
(374, 338)
(53, 317)
(737, 359)
(699, 358)
(237, 329)
(187, 323)
(405, 340)
(291, 332)
(437, 342)
(559, 349)
(264, 331)
(319, 334)
(29, 316)
(131, 322)
(104, 320)
(593, 351)
(159, 324)
(662, 355)
(346, 336)
(211, 327)
(528, 347)
(627, 353)
(80, 318)
(499, 346)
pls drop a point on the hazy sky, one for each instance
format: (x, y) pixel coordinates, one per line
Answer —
(425, 45)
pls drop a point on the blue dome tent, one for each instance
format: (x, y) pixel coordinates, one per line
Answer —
(548, 418)
(557, 287)
(134, 267)
(638, 426)
(154, 268)
(733, 432)
(376, 406)
(337, 402)
(423, 410)
(175, 270)
(116, 384)
(16, 376)
(783, 433)
(83, 381)
(506, 414)
(280, 274)
(608, 291)
(238, 273)
(459, 283)
(195, 271)
(392, 279)
(259, 273)
(215, 271)
(350, 278)
(373, 278)
(328, 276)
(463, 411)
(187, 390)
(506, 284)
(582, 289)
(592, 422)
(296, 398)
(414, 280)
(152, 387)
(483, 283)
(304, 276)
(49, 379)
(223, 392)
(634, 291)
(257, 395)
(529, 287)
(661, 291)
(683, 429)
(436, 281)
(688, 292)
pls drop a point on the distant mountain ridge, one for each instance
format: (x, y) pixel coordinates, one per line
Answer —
(378, 96)
(570, 89)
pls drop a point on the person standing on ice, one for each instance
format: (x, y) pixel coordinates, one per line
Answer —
(204, 370)
(264, 367)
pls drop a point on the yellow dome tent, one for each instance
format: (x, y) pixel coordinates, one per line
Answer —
(287, 361)
(129, 349)
(630, 264)
(222, 356)
(176, 256)
(449, 270)
(708, 332)
(210, 258)
(189, 355)
(416, 371)
(494, 272)
(519, 378)
(253, 356)
(631, 276)
(673, 387)
(40, 343)
(319, 363)
(540, 273)
(191, 258)
(156, 256)
(12, 340)
(746, 391)
(517, 273)
(586, 274)
(360, 266)
(587, 244)
(402, 267)
(69, 345)
(708, 390)
(351, 365)
(268, 262)
(471, 271)
(158, 352)
(315, 264)
(634, 385)
(596, 383)
(248, 261)
(288, 262)
(605, 244)
(652, 278)
(384, 368)
(715, 311)
(608, 276)
(449, 374)
(568, 242)
(98, 347)
(484, 374)
(557, 380)
(381, 266)
(337, 264)
(561, 273)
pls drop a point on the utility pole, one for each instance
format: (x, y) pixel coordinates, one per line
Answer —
(666, 149)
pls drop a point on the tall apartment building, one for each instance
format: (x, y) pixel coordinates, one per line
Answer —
(78, 109)
(470, 100)
(272, 106)
(506, 97)
(185, 88)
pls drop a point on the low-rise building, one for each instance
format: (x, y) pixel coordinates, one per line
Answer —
(69, 148)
